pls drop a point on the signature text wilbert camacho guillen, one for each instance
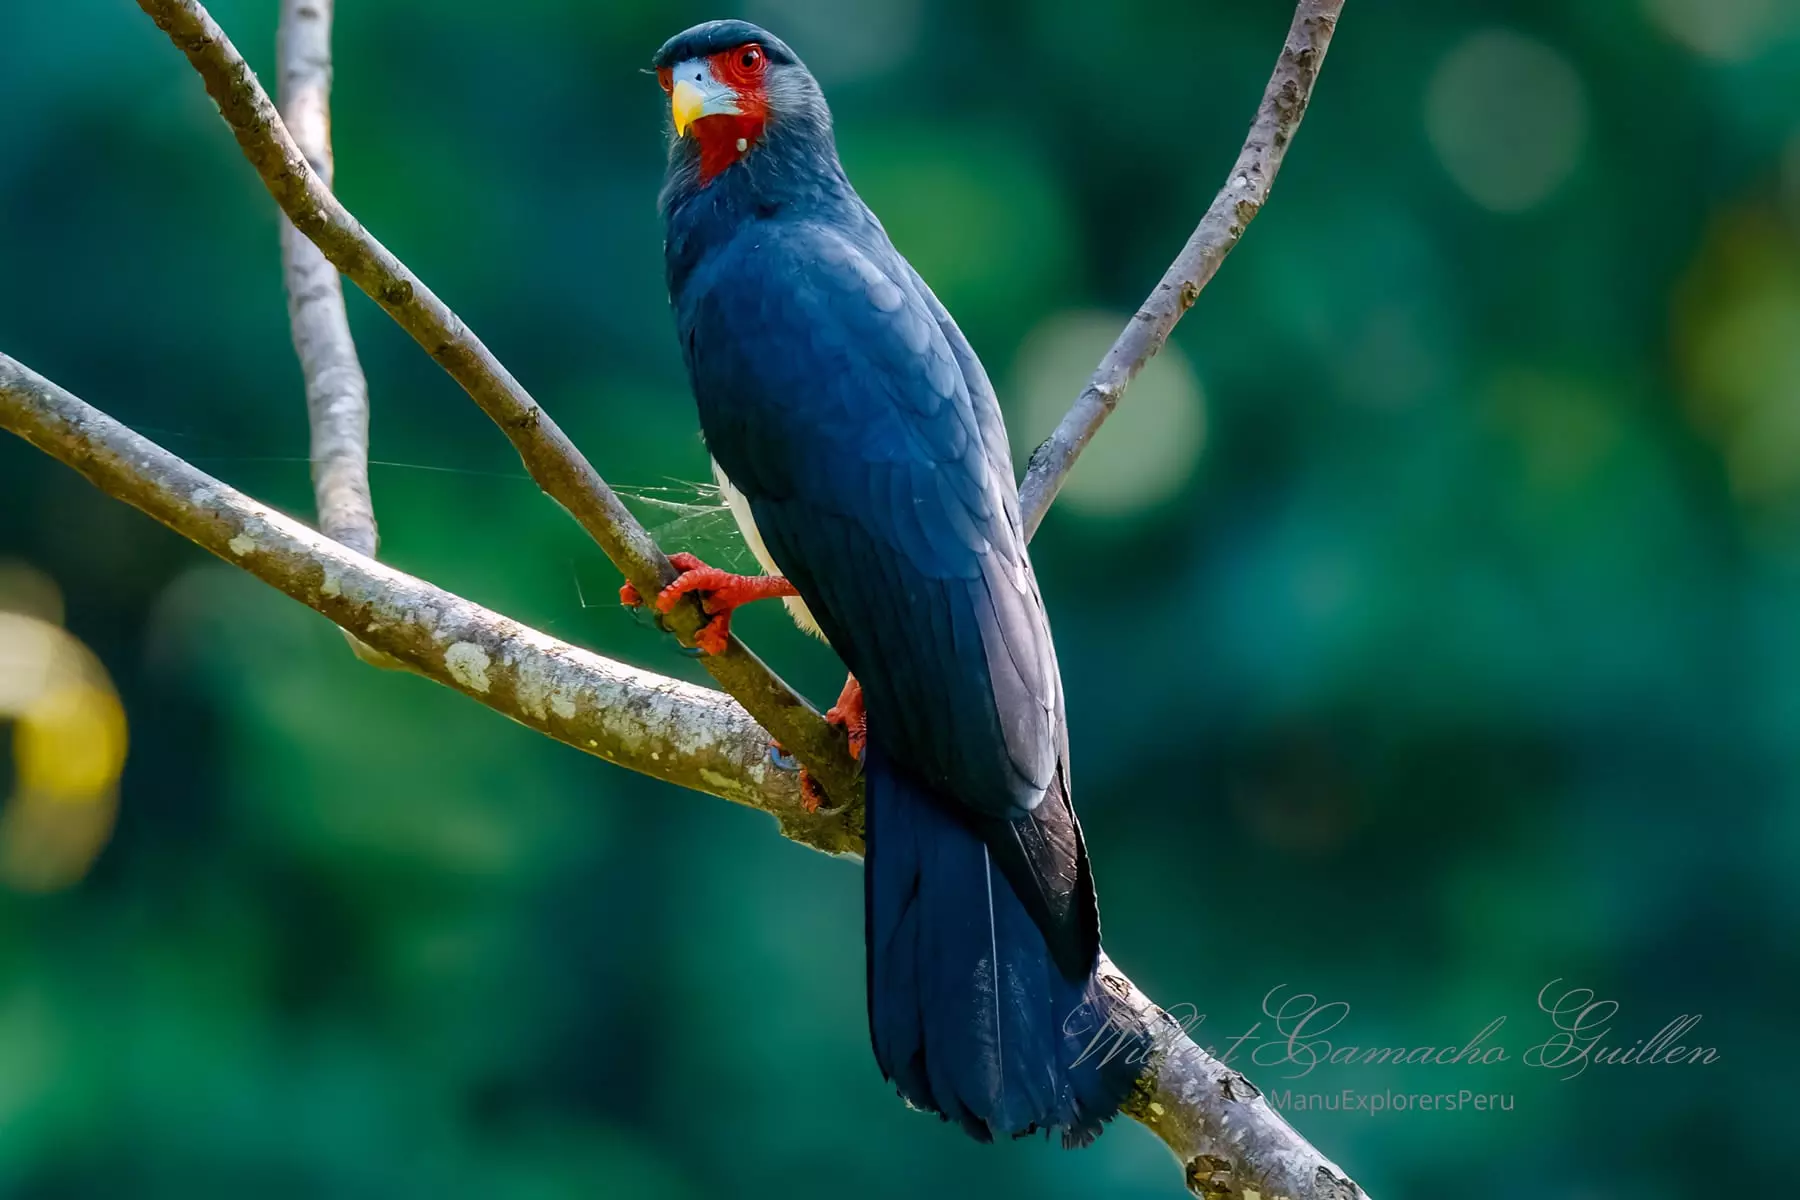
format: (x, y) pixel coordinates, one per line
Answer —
(1301, 1039)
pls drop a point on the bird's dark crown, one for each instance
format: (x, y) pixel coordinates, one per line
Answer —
(716, 37)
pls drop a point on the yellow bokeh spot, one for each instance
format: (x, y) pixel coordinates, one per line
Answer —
(69, 739)
(70, 744)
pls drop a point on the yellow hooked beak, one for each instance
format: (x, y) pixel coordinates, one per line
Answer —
(689, 104)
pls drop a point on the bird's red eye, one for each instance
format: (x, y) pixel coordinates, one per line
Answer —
(742, 68)
(666, 77)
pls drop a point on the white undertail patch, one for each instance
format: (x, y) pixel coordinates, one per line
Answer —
(739, 505)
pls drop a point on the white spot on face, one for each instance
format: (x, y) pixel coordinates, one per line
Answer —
(242, 544)
(743, 145)
(468, 665)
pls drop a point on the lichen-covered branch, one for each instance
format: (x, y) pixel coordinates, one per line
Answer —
(1231, 1143)
(1246, 189)
(547, 453)
(688, 735)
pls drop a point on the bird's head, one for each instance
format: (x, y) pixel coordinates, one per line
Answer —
(731, 86)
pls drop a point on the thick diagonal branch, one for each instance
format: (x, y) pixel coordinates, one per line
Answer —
(691, 736)
(1246, 188)
(547, 453)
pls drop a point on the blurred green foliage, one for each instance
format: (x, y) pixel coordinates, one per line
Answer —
(1461, 650)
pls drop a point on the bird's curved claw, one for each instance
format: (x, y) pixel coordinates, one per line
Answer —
(812, 796)
(717, 597)
(848, 714)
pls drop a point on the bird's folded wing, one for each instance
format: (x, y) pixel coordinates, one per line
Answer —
(835, 403)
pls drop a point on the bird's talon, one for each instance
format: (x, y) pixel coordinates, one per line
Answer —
(812, 796)
(849, 715)
(714, 636)
(629, 596)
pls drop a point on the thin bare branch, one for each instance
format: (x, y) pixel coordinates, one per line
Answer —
(550, 457)
(337, 393)
(1228, 1139)
(1246, 189)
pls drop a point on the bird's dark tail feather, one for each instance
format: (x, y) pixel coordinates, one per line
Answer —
(970, 1017)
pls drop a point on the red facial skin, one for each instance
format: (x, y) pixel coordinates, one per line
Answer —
(743, 70)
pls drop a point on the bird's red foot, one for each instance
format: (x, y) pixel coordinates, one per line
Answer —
(848, 714)
(719, 591)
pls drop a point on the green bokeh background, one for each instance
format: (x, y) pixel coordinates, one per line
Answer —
(1430, 615)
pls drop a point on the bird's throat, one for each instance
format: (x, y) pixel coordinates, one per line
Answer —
(723, 140)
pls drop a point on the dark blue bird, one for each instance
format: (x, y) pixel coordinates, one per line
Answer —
(862, 449)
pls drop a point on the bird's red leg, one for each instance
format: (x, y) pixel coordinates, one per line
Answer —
(848, 713)
(720, 592)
